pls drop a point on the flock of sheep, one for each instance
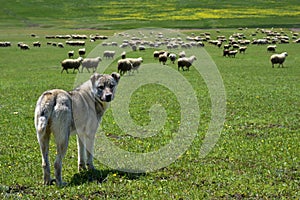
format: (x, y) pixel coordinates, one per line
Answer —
(231, 46)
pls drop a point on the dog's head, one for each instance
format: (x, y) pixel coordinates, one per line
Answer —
(104, 86)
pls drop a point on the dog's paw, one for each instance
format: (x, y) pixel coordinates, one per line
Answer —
(50, 181)
(81, 167)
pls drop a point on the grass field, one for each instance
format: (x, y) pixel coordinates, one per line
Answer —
(134, 14)
(257, 152)
(256, 156)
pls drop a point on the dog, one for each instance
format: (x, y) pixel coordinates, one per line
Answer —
(79, 111)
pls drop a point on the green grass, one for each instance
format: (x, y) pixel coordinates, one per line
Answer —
(134, 14)
(257, 155)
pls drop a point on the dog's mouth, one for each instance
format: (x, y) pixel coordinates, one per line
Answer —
(105, 98)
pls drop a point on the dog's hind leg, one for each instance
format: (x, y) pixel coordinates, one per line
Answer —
(43, 138)
(61, 149)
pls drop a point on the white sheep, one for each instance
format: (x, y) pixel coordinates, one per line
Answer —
(89, 63)
(81, 52)
(109, 54)
(124, 65)
(271, 48)
(162, 58)
(242, 49)
(123, 55)
(172, 57)
(232, 53)
(278, 59)
(71, 54)
(71, 64)
(136, 63)
(186, 62)
(182, 54)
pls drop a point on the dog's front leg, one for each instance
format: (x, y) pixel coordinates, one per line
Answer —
(81, 152)
(90, 140)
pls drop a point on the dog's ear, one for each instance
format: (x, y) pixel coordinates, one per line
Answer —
(94, 77)
(116, 76)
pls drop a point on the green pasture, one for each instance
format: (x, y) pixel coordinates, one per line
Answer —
(128, 14)
(256, 156)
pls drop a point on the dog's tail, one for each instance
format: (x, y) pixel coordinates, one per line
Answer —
(43, 110)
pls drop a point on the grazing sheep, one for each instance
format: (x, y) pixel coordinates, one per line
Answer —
(109, 54)
(71, 64)
(124, 65)
(36, 44)
(81, 52)
(172, 57)
(157, 53)
(89, 63)
(163, 58)
(24, 46)
(71, 54)
(123, 55)
(182, 54)
(226, 52)
(142, 48)
(242, 49)
(75, 43)
(133, 47)
(271, 48)
(136, 63)
(60, 45)
(232, 53)
(5, 44)
(185, 62)
(278, 59)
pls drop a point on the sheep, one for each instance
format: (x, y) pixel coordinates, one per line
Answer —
(81, 52)
(278, 59)
(123, 55)
(71, 64)
(5, 44)
(142, 48)
(172, 57)
(242, 49)
(36, 44)
(109, 54)
(136, 63)
(186, 62)
(232, 53)
(157, 53)
(225, 52)
(182, 54)
(124, 65)
(75, 43)
(24, 46)
(271, 48)
(71, 54)
(90, 63)
(163, 58)
(61, 45)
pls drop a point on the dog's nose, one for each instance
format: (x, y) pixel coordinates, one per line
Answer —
(108, 97)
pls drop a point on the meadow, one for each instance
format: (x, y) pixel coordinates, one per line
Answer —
(129, 14)
(256, 155)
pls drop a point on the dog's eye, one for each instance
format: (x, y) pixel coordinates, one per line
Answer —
(101, 87)
(111, 86)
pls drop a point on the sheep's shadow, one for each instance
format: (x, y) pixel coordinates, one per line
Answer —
(100, 176)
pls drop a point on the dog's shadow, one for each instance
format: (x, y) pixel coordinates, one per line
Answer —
(100, 176)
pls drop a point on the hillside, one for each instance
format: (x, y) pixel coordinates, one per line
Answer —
(132, 14)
